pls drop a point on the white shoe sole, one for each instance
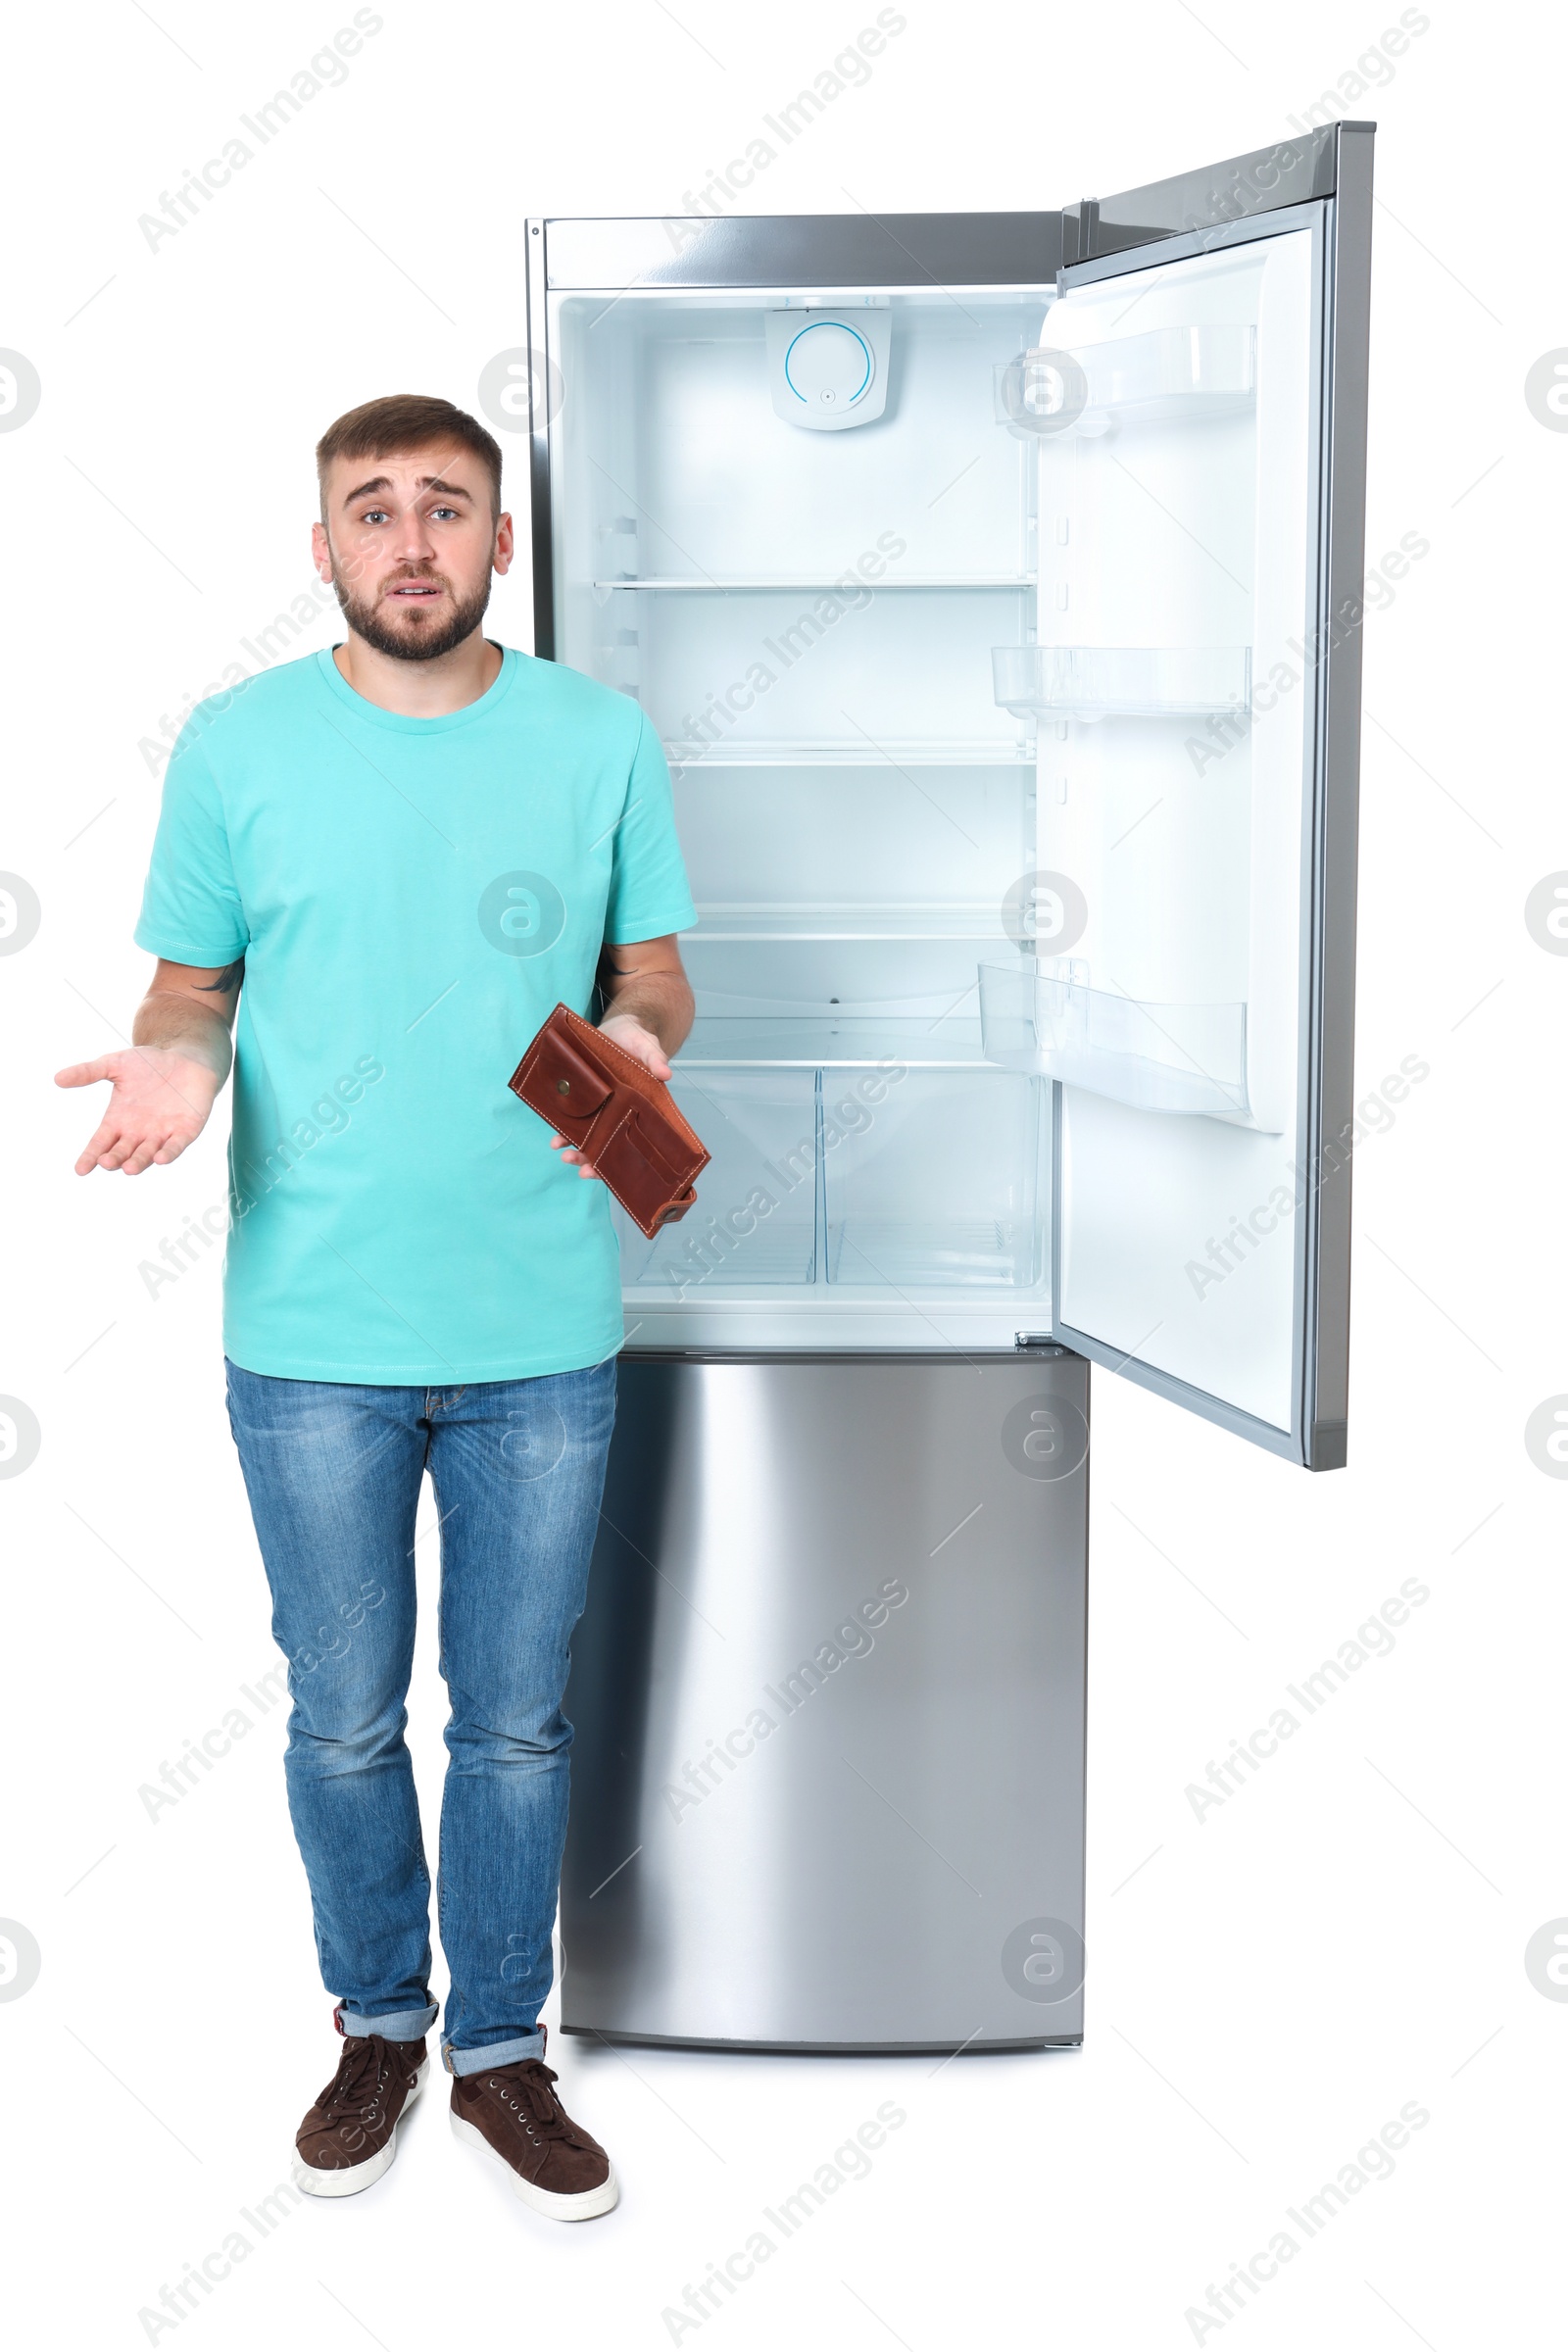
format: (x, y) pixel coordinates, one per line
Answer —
(350, 2179)
(580, 2208)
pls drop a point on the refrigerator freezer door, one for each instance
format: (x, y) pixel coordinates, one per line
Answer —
(827, 1783)
(1200, 488)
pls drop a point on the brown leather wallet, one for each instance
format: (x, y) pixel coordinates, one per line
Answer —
(619, 1116)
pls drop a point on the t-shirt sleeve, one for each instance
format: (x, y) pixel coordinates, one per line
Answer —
(190, 907)
(649, 894)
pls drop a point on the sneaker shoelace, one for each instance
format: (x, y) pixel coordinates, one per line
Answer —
(359, 2076)
(533, 2079)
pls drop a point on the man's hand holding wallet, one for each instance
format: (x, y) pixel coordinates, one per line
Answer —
(603, 1092)
(644, 1047)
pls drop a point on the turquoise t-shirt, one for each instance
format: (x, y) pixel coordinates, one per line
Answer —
(412, 897)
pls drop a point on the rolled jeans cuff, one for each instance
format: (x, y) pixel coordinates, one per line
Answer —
(493, 2053)
(398, 2024)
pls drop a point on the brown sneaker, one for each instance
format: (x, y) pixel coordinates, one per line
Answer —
(350, 2135)
(512, 2113)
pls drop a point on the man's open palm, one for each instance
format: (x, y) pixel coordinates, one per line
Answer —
(160, 1103)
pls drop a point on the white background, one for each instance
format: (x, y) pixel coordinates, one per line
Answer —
(1270, 1983)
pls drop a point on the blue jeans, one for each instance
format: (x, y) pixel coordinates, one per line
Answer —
(333, 1470)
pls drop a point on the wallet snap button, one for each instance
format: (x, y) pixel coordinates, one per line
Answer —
(562, 1086)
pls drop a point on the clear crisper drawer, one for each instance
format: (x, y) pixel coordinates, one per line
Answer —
(1177, 1058)
(937, 1185)
(754, 1222)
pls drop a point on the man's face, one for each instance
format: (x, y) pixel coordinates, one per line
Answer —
(410, 544)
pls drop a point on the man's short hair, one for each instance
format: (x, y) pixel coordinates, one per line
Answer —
(404, 421)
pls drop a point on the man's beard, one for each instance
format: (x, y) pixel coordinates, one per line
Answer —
(418, 643)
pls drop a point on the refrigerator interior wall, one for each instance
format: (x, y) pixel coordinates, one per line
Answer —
(808, 618)
(1183, 524)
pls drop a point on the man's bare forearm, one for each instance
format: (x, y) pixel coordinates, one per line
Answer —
(173, 1020)
(660, 1000)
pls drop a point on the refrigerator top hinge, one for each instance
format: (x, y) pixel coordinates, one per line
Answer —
(1040, 1342)
(1079, 223)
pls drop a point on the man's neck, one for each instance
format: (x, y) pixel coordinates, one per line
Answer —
(421, 689)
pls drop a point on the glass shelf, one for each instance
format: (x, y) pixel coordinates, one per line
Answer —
(1171, 1057)
(717, 922)
(1119, 681)
(1173, 374)
(819, 585)
(818, 1039)
(928, 752)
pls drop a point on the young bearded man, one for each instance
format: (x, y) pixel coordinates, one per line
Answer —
(394, 858)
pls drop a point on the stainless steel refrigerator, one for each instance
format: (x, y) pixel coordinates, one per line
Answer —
(993, 583)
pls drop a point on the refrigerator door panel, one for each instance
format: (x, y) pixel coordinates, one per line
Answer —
(828, 1696)
(1201, 476)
